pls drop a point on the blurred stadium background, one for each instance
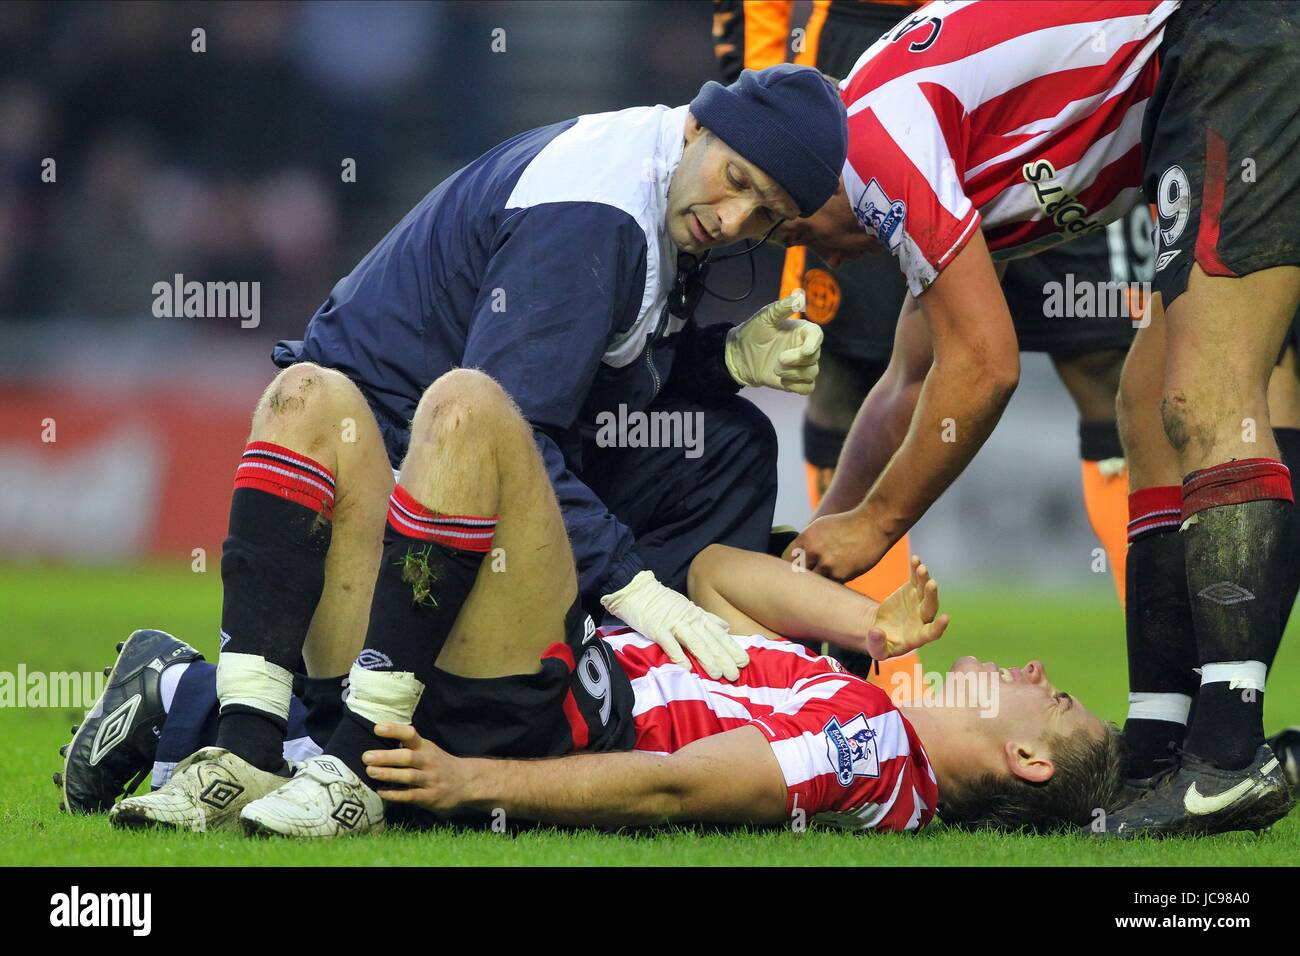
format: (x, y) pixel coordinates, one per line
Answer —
(225, 165)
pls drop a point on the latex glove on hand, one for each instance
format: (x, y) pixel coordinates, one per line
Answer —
(772, 349)
(673, 622)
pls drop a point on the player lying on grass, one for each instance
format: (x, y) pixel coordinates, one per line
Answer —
(981, 132)
(516, 676)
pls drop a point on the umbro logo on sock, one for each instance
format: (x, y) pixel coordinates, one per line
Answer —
(373, 660)
(1225, 593)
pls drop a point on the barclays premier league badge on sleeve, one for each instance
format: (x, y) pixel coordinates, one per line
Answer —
(882, 215)
(852, 749)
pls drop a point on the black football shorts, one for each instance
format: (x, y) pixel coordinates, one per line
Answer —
(580, 699)
(1221, 141)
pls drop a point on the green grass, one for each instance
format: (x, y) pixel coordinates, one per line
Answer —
(59, 618)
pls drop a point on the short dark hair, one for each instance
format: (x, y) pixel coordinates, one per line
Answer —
(1089, 776)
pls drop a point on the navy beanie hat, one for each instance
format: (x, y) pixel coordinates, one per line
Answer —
(788, 121)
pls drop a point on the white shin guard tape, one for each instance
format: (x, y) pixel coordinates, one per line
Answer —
(1238, 675)
(1170, 707)
(252, 680)
(383, 696)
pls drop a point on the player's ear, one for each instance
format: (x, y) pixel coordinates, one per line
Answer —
(694, 128)
(1028, 761)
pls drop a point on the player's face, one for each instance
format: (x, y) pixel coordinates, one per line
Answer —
(1029, 706)
(717, 197)
(833, 232)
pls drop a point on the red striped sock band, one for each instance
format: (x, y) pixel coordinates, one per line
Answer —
(1154, 510)
(408, 517)
(1234, 483)
(284, 473)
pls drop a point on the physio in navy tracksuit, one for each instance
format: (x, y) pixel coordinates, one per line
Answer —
(559, 263)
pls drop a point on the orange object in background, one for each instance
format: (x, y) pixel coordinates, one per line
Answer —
(1105, 497)
(887, 576)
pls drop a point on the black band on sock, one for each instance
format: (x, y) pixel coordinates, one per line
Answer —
(1161, 644)
(322, 697)
(272, 574)
(1158, 617)
(1151, 745)
(1099, 441)
(1236, 569)
(822, 445)
(252, 734)
(352, 737)
(1229, 725)
(419, 592)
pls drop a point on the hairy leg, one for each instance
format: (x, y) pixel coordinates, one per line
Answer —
(1158, 624)
(1224, 338)
(473, 453)
(320, 413)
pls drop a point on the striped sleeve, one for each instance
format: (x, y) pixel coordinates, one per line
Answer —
(849, 758)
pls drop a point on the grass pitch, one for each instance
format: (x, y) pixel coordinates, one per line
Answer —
(56, 619)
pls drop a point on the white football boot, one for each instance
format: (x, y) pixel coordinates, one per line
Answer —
(206, 792)
(324, 799)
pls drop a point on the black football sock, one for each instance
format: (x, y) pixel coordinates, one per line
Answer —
(1158, 626)
(1099, 441)
(272, 573)
(1235, 515)
(1288, 441)
(429, 565)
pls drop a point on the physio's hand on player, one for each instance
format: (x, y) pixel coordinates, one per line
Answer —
(839, 546)
(673, 622)
(908, 618)
(772, 349)
(418, 772)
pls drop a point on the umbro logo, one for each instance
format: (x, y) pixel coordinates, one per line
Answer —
(348, 814)
(373, 660)
(114, 728)
(1165, 258)
(1225, 593)
(219, 794)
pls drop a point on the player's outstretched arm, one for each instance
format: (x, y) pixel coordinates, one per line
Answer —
(760, 594)
(976, 368)
(728, 778)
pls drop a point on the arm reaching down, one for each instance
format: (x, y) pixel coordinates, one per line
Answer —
(760, 594)
(731, 777)
(975, 369)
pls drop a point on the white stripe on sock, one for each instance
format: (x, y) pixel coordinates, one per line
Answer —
(1236, 674)
(1169, 707)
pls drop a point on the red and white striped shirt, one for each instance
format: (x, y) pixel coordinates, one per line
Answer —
(849, 758)
(1023, 119)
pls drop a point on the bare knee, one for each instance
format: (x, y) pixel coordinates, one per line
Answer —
(464, 399)
(307, 402)
(1180, 421)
